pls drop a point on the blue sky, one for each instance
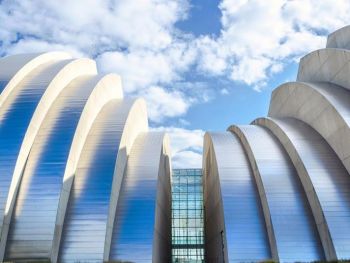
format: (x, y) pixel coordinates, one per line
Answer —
(200, 64)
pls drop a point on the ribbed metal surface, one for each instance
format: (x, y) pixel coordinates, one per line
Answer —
(326, 65)
(11, 65)
(329, 179)
(324, 106)
(3, 84)
(33, 223)
(292, 222)
(84, 231)
(15, 115)
(135, 232)
(245, 229)
(339, 38)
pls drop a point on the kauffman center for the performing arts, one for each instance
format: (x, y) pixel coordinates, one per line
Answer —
(82, 179)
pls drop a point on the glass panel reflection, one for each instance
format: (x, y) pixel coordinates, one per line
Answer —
(187, 216)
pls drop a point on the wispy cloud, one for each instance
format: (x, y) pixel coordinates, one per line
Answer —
(259, 37)
(186, 146)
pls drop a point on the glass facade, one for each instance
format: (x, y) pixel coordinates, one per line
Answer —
(187, 216)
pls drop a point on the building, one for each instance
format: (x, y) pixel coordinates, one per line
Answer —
(82, 179)
(280, 187)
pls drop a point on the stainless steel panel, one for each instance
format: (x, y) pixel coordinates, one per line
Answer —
(85, 225)
(3, 84)
(135, 232)
(293, 225)
(37, 201)
(244, 230)
(329, 178)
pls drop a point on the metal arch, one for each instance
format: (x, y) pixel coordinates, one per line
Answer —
(143, 215)
(137, 122)
(339, 38)
(231, 192)
(37, 200)
(325, 180)
(292, 232)
(107, 88)
(20, 118)
(22, 114)
(16, 67)
(323, 106)
(326, 65)
(104, 142)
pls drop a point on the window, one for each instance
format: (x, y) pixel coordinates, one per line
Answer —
(187, 216)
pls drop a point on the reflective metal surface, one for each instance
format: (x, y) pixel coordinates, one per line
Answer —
(47, 110)
(324, 106)
(339, 38)
(15, 115)
(85, 223)
(227, 170)
(326, 65)
(329, 180)
(143, 219)
(3, 84)
(33, 223)
(292, 223)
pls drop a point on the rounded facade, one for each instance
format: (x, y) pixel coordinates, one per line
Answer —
(70, 143)
(294, 167)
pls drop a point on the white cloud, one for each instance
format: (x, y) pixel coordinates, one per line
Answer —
(186, 146)
(187, 159)
(93, 25)
(162, 103)
(257, 35)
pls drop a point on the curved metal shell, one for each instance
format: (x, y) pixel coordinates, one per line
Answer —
(107, 88)
(326, 65)
(62, 123)
(292, 232)
(232, 203)
(86, 218)
(15, 68)
(21, 115)
(142, 224)
(339, 38)
(325, 107)
(41, 182)
(324, 178)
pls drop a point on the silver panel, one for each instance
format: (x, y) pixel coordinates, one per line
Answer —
(85, 225)
(15, 115)
(10, 65)
(3, 84)
(142, 221)
(339, 38)
(33, 223)
(324, 106)
(326, 65)
(330, 181)
(293, 227)
(244, 224)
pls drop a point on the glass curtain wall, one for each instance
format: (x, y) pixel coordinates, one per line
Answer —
(187, 216)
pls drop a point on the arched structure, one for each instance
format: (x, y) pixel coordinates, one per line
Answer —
(323, 176)
(82, 178)
(66, 136)
(300, 159)
(235, 227)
